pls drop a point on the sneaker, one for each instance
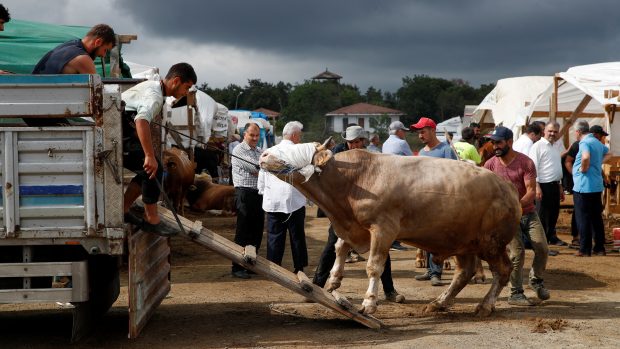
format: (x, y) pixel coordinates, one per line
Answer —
(241, 274)
(541, 292)
(435, 281)
(581, 254)
(423, 277)
(600, 253)
(574, 244)
(395, 297)
(553, 253)
(396, 246)
(519, 299)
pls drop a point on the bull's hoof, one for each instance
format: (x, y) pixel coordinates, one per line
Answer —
(332, 284)
(484, 310)
(479, 279)
(368, 307)
(434, 307)
(420, 264)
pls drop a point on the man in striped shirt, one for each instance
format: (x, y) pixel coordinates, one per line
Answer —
(249, 203)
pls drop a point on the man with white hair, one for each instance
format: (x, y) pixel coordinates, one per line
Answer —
(396, 143)
(286, 209)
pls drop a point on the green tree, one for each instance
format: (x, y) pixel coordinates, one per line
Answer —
(381, 125)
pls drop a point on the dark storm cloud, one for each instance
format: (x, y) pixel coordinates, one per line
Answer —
(480, 41)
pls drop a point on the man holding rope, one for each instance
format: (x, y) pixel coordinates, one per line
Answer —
(142, 103)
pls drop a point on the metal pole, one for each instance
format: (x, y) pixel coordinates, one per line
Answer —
(237, 100)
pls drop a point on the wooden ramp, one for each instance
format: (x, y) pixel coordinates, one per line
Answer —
(297, 283)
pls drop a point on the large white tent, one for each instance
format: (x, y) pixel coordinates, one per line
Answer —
(582, 92)
(508, 103)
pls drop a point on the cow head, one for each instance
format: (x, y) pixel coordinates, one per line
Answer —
(322, 154)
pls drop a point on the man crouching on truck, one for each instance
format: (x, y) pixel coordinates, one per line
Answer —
(142, 103)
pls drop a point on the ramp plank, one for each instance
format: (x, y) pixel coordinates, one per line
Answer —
(297, 283)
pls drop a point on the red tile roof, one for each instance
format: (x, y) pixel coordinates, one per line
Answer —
(364, 109)
(270, 113)
(327, 75)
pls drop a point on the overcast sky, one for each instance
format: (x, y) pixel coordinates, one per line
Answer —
(368, 42)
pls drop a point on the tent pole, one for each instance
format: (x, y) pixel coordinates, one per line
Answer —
(580, 108)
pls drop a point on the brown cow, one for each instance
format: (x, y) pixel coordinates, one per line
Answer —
(179, 176)
(205, 195)
(449, 208)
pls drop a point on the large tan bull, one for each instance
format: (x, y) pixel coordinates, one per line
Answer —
(446, 207)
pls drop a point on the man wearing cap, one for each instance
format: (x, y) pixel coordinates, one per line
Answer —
(396, 143)
(354, 139)
(587, 189)
(426, 129)
(547, 157)
(519, 169)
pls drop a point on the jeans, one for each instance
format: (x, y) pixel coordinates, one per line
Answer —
(432, 268)
(278, 223)
(530, 226)
(328, 257)
(588, 208)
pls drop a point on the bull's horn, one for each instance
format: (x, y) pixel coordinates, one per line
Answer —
(324, 145)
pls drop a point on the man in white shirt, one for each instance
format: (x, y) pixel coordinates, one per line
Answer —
(396, 143)
(532, 134)
(286, 209)
(547, 158)
(143, 102)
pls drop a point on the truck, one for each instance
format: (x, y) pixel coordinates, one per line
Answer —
(62, 235)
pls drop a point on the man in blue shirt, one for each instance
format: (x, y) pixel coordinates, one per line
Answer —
(396, 143)
(426, 129)
(587, 189)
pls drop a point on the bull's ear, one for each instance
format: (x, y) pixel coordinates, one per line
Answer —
(324, 145)
(322, 157)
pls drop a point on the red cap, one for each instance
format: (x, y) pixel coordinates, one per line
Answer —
(422, 123)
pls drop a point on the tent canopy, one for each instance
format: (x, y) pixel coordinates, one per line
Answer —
(508, 102)
(586, 81)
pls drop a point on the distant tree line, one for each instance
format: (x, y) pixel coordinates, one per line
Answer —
(308, 102)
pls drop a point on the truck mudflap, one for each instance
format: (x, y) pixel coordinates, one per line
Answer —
(104, 291)
(149, 277)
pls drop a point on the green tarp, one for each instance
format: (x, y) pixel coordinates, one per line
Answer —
(23, 43)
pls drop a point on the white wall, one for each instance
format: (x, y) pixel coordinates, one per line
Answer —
(338, 122)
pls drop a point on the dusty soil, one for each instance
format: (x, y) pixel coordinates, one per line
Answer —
(209, 308)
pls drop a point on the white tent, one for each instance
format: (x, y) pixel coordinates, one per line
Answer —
(210, 119)
(141, 71)
(508, 102)
(452, 125)
(581, 94)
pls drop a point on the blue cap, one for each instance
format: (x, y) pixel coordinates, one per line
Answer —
(500, 133)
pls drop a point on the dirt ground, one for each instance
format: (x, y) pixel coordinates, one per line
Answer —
(208, 308)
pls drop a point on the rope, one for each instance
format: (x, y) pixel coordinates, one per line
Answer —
(206, 144)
